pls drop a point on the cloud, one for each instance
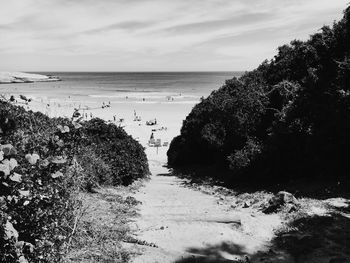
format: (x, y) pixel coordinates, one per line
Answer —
(154, 34)
(205, 26)
(126, 25)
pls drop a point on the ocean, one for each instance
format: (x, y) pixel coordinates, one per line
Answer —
(120, 86)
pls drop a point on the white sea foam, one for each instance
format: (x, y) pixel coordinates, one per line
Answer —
(140, 95)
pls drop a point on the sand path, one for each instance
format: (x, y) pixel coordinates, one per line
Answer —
(188, 225)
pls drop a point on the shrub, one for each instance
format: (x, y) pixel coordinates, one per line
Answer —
(124, 156)
(44, 162)
(36, 189)
(295, 106)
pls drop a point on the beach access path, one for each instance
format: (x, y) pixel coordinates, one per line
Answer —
(177, 223)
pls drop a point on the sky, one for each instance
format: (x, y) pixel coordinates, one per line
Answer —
(154, 35)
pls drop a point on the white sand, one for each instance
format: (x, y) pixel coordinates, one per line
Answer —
(185, 223)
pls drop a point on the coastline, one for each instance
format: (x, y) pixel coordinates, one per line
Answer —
(169, 115)
(21, 77)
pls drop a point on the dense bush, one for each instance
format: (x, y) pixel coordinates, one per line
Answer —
(125, 156)
(43, 163)
(288, 118)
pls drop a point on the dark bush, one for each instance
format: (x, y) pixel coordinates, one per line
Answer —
(289, 118)
(118, 150)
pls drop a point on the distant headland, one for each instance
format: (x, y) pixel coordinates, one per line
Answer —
(21, 77)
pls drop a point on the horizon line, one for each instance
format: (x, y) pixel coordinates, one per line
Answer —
(136, 71)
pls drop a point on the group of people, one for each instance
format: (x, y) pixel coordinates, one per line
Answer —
(136, 117)
(151, 122)
(152, 142)
(105, 105)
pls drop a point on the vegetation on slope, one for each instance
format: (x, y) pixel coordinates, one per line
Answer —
(289, 118)
(44, 163)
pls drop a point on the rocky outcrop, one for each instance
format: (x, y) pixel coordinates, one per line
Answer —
(281, 200)
(20, 77)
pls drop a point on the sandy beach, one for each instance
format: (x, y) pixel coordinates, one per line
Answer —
(169, 117)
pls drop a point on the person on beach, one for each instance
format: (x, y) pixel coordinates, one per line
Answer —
(151, 140)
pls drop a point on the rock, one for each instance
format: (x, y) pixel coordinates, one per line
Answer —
(281, 199)
(161, 228)
(286, 197)
(291, 208)
(246, 205)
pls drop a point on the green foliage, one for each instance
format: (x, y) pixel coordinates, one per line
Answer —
(220, 123)
(35, 190)
(124, 156)
(44, 162)
(288, 118)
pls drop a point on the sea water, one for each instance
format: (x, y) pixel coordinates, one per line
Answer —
(121, 87)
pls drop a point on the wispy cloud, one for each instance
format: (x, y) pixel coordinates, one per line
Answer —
(153, 34)
(207, 26)
(126, 25)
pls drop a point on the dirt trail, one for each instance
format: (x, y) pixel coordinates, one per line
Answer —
(186, 224)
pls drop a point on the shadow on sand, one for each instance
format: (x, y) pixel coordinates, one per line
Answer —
(306, 239)
(215, 253)
(303, 187)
